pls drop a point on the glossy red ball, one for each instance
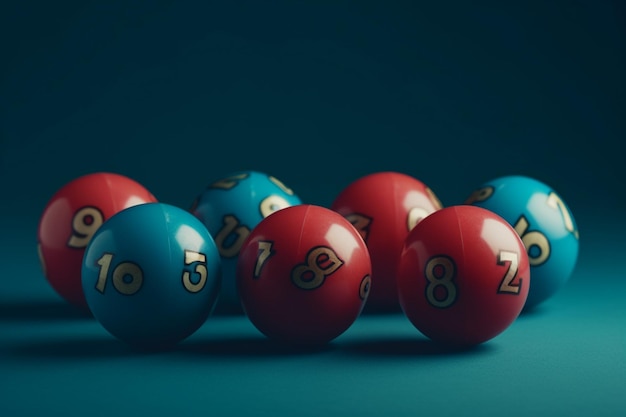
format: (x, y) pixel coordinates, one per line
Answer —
(464, 275)
(303, 275)
(70, 219)
(384, 207)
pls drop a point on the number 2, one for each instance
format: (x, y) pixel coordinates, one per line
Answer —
(506, 285)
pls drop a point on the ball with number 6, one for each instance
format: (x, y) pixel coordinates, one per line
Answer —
(303, 275)
(230, 208)
(151, 275)
(463, 275)
(72, 216)
(545, 224)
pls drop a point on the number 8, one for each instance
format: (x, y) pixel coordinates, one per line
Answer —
(443, 279)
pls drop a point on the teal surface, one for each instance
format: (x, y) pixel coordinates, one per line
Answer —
(566, 358)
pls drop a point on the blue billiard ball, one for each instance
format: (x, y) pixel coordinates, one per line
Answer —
(544, 222)
(151, 275)
(230, 208)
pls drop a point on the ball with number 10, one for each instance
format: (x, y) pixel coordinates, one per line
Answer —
(151, 275)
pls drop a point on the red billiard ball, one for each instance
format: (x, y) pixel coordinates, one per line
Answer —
(72, 216)
(303, 275)
(384, 207)
(463, 276)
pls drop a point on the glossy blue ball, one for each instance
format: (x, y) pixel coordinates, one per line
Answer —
(545, 224)
(151, 275)
(230, 208)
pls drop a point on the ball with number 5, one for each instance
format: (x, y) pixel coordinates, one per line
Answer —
(545, 224)
(151, 275)
(70, 219)
(463, 275)
(303, 275)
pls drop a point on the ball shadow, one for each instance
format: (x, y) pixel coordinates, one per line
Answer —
(73, 349)
(534, 311)
(409, 346)
(250, 346)
(41, 310)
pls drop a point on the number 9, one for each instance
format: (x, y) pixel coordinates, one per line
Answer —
(84, 224)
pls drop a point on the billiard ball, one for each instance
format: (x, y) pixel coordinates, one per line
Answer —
(303, 275)
(151, 275)
(544, 222)
(384, 207)
(72, 216)
(230, 208)
(463, 276)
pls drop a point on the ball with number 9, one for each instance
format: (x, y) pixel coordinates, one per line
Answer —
(463, 275)
(151, 275)
(230, 208)
(384, 207)
(303, 275)
(545, 224)
(70, 219)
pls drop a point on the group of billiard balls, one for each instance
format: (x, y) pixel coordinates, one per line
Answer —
(152, 273)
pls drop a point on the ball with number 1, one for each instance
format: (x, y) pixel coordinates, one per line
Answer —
(544, 222)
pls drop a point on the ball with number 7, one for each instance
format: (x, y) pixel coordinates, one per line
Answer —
(303, 275)
(544, 222)
(463, 275)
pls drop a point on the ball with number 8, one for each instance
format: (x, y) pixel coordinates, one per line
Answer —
(72, 216)
(303, 275)
(545, 224)
(463, 275)
(151, 275)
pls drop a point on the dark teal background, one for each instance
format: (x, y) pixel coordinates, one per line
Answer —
(316, 93)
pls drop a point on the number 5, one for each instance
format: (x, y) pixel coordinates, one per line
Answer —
(200, 269)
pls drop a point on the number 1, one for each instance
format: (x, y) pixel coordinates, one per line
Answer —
(555, 201)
